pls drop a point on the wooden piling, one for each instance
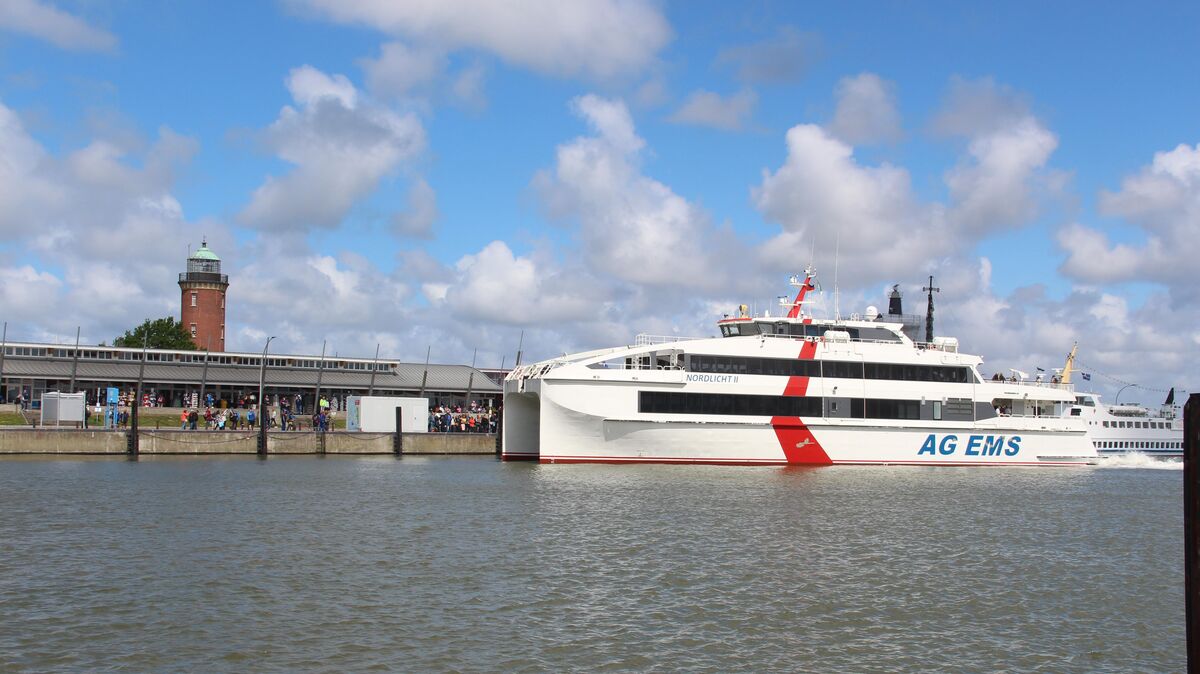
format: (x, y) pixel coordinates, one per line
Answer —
(1191, 534)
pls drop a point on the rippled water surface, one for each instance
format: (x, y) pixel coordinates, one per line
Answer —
(310, 564)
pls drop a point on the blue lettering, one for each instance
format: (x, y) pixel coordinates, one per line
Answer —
(928, 446)
(1014, 446)
(949, 444)
(973, 444)
(993, 445)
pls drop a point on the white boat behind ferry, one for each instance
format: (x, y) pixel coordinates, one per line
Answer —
(788, 390)
(1130, 428)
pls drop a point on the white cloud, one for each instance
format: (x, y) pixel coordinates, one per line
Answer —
(308, 86)
(594, 38)
(866, 110)
(630, 226)
(468, 86)
(422, 212)
(705, 108)
(780, 59)
(341, 147)
(401, 69)
(1162, 200)
(102, 227)
(55, 26)
(1028, 329)
(976, 107)
(497, 286)
(999, 184)
(822, 194)
(1004, 176)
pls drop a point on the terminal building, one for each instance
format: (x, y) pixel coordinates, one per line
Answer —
(183, 378)
(188, 378)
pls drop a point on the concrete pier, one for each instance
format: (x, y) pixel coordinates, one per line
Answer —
(161, 441)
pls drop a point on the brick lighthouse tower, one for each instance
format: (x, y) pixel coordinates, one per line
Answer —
(203, 299)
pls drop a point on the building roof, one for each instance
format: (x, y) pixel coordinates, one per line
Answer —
(404, 376)
(204, 253)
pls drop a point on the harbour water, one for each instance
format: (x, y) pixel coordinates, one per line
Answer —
(467, 564)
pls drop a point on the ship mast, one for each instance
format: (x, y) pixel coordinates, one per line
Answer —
(1070, 365)
(929, 310)
(808, 284)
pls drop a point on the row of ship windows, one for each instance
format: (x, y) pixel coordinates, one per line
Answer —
(1139, 444)
(805, 330)
(1162, 425)
(671, 402)
(949, 374)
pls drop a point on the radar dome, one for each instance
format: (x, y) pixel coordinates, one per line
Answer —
(872, 313)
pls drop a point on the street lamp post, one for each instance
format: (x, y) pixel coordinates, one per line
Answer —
(1118, 398)
(262, 408)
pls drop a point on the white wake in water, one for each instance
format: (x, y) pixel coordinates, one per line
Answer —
(1137, 460)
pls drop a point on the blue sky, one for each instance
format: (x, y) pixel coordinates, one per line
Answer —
(444, 173)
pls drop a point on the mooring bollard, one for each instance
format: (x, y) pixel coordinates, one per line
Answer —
(398, 439)
(1191, 519)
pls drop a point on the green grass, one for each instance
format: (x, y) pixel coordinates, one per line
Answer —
(12, 419)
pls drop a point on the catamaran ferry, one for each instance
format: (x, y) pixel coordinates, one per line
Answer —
(788, 390)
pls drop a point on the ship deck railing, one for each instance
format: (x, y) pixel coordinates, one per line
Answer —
(1026, 382)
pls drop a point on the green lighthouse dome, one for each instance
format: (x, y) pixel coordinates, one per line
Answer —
(204, 253)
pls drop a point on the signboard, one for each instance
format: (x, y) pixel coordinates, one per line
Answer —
(354, 413)
(113, 396)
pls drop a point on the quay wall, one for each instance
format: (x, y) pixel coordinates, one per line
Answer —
(160, 441)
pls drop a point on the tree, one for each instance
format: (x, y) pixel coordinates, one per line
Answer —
(163, 333)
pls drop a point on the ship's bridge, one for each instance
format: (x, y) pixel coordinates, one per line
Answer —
(857, 330)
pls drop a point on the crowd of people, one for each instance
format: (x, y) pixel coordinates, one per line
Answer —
(475, 418)
(287, 414)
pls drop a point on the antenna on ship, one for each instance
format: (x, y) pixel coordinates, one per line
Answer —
(929, 311)
(837, 247)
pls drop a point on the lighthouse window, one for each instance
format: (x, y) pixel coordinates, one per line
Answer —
(193, 327)
(222, 301)
(193, 299)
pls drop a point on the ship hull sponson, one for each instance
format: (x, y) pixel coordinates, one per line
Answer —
(572, 436)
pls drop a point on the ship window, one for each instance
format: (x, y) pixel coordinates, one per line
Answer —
(842, 370)
(1075, 411)
(937, 410)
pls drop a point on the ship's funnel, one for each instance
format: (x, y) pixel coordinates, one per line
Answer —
(894, 304)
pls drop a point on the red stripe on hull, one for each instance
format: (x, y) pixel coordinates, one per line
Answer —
(796, 386)
(798, 443)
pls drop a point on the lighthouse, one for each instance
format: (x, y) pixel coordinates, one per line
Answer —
(202, 299)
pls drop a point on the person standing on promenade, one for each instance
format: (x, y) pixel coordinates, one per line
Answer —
(183, 420)
(250, 418)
